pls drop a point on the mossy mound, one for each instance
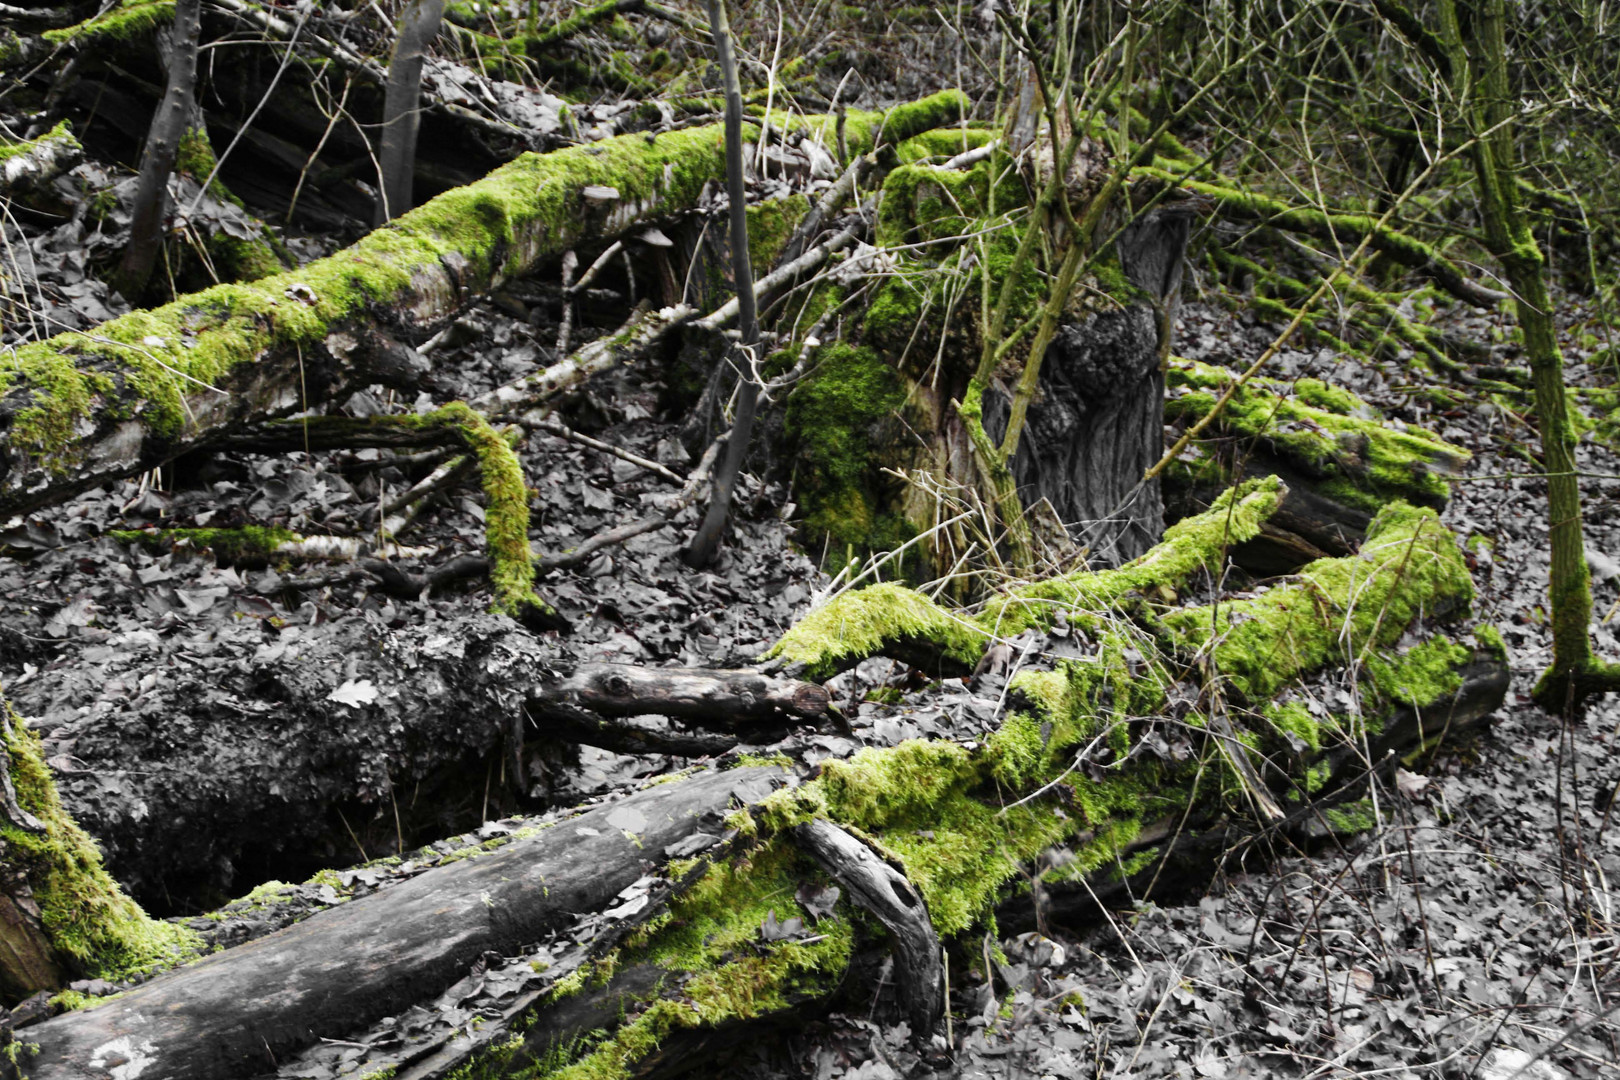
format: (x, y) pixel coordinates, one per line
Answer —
(1325, 433)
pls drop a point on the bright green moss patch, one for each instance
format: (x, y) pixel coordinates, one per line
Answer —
(123, 22)
(859, 623)
(770, 225)
(1192, 544)
(1336, 610)
(90, 922)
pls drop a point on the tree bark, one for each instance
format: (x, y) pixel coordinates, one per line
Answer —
(247, 1010)
(706, 542)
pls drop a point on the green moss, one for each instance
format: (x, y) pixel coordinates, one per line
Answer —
(243, 543)
(506, 513)
(123, 22)
(1192, 544)
(834, 419)
(153, 361)
(858, 623)
(770, 225)
(1354, 457)
(1427, 674)
(61, 133)
(99, 931)
(1293, 718)
(1336, 610)
(1351, 818)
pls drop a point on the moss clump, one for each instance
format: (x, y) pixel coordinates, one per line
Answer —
(861, 622)
(770, 225)
(98, 930)
(123, 22)
(834, 419)
(1192, 544)
(506, 513)
(1334, 610)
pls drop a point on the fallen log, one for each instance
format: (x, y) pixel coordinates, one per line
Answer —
(1106, 753)
(28, 167)
(247, 1010)
(80, 409)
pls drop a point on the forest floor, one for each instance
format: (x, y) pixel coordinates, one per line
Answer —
(1477, 914)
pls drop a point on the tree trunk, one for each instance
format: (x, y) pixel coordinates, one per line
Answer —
(418, 25)
(706, 542)
(146, 229)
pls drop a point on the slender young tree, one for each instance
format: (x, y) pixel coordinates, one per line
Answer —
(1479, 78)
(706, 542)
(418, 26)
(157, 160)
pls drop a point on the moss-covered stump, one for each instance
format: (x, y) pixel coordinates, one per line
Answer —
(79, 409)
(1339, 459)
(61, 914)
(886, 399)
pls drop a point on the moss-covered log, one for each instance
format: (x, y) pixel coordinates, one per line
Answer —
(26, 167)
(79, 409)
(1340, 461)
(246, 1011)
(61, 915)
(1121, 756)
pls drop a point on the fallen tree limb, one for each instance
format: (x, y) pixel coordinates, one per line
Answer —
(344, 967)
(28, 166)
(79, 409)
(1108, 754)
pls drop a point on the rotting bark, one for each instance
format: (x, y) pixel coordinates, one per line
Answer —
(349, 743)
(80, 409)
(1117, 738)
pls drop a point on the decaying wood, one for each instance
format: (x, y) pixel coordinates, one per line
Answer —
(30, 169)
(245, 1011)
(290, 341)
(885, 892)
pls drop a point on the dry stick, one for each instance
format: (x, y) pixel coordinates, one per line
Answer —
(620, 534)
(570, 263)
(558, 428)
(595, 268)
(706, 542)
